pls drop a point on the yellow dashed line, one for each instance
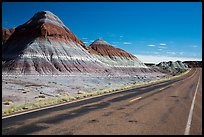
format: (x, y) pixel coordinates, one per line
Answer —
(135, 99)
(162, 88)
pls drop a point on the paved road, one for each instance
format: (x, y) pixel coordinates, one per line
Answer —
(164, 108)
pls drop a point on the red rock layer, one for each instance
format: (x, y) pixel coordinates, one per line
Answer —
(54, 32)
(44, 24)
(107, 50)
(6, 33)
(46, 30)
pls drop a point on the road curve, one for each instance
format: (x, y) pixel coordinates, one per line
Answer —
(161, 109)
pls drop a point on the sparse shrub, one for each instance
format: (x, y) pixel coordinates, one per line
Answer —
(81, 92)
(7, 102)
(25, 107)
(24, 92)
(41, 96)
(77, 97)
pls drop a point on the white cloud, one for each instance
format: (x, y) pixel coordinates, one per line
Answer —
(171, 52)
(86, 42)
(162, 44)
(151, 45)
(162, 47)
(194, 46)
(174, 53)
(156, 59)
(91, 40)
(127, 43)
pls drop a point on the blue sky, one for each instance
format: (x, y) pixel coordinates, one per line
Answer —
(165, 29)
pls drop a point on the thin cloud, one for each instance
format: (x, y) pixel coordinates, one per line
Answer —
(151, 45)
(127, 43)
(162, 44)
(162, 47)
(194, 46)
(157, 58)
(171, 52)
(175, 53)
(121, 36)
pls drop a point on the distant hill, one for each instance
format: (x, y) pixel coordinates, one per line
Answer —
(170, 67)
(193, 64)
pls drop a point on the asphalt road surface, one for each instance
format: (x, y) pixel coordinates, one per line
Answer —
(168, 108)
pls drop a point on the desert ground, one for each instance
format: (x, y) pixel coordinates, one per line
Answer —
(20, 89)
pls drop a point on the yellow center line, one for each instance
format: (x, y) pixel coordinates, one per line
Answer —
(162, 88)
(135, 99)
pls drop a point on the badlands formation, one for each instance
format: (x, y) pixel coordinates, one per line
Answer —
(117, 59)
(44, 45)
(44, 57)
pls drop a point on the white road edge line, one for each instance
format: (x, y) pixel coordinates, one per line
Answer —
(188, 124)
(58, 105)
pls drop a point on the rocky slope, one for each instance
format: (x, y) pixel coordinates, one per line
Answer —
(6, 33)
(172, 67)
(116, 58)
(45, 45)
